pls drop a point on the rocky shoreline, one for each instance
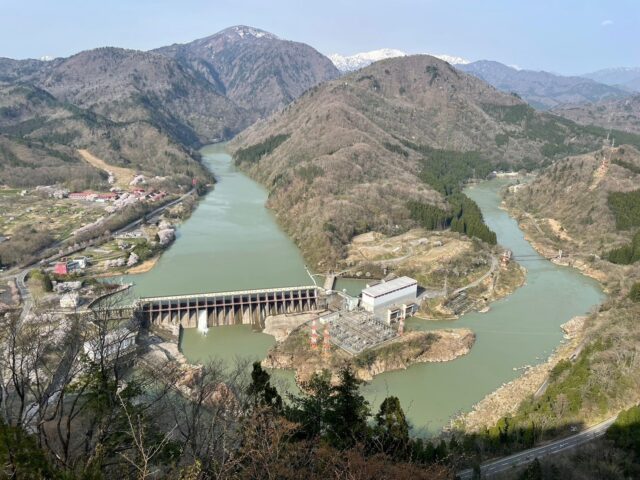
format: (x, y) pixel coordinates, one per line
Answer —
(294, 353)
(507, 398)
(420, 347)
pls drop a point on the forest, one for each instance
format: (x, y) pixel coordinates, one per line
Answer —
(627, 254)
(464, 217)
(447, 171)
(625, 207)
(254, 153)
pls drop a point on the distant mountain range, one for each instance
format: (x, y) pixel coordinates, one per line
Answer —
(357, 61)
(624, 77)
(621, 114)
(543, 90)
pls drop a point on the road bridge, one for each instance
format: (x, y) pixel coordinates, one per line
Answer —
(249, 307)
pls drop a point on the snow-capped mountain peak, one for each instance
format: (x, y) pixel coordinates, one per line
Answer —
(452, 59)
(243, 31)
(349, 63)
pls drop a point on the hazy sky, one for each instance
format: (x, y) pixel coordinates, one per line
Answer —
(564, 36)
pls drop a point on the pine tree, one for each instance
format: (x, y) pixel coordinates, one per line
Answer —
(261, 391)
(311, 410)
(392, 427)
(347, 417)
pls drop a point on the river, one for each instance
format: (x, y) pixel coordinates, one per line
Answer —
(233, 242)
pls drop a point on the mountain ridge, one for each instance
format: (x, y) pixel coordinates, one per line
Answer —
(541, 89)
(350, 63)
(175, 97)
(624, 77)
(257, 70)
(620, 114)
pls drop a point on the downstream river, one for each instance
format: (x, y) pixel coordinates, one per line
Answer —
(233, 242)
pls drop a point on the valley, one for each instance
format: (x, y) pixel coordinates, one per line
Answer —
(235, 257)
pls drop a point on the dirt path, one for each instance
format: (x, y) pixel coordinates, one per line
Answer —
(558, 230)
(122, 175)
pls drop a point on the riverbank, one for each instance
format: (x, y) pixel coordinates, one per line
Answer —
(548, 245)
(506, 400)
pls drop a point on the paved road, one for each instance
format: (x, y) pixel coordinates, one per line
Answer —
(27, 301)
(505, 464)
(494, 265)
(153, 213)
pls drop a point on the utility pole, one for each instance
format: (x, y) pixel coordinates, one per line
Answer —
(326, 346)
(314, 335)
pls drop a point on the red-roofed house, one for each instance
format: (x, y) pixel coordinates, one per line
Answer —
(82, 196)
(60, 268)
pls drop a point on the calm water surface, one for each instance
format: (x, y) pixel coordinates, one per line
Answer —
(233, 242)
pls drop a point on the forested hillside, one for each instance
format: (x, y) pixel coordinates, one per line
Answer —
(620, 114)
(592, 196)
(349, 155)
(586, 206)
(258, 71)
(40, 136)
(145, 110)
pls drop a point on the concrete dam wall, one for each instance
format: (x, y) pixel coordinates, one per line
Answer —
(228, 308)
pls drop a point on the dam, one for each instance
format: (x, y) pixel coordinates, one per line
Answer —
(243, 307)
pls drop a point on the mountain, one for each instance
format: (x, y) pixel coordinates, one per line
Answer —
(255, 69)
(543, 90)
(348, 155)
(360, 60)
(146, 110)
(357, 61)
(13, 70)
(574, 192)
(621, 114)
(624, 77)
(40, 136)
(129, 85)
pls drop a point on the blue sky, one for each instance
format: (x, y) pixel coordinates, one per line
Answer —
(564, 36)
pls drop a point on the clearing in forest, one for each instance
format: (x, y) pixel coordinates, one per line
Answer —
(122, 175)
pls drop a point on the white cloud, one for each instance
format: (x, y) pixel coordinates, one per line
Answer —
(606, 23)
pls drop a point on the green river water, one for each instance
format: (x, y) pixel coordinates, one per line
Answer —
(233, 242)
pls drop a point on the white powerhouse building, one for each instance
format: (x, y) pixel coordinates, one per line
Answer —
(389, 301)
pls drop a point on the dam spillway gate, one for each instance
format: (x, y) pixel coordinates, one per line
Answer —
(249, 307)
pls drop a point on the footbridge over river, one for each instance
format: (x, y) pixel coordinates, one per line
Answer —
(229, 308)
